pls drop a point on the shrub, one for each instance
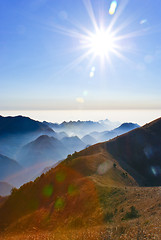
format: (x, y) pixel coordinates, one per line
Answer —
(124, 174)
(14, 190)
(132, 214)
(69, 156)
(116, 210)
(114, 165)
(108, 216)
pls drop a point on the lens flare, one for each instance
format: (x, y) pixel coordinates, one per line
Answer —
(91, 74)
(80, 100)
(143, 21)
(59, 204)
(113, 7)
(72, 190)
(48, 190)
(60, 176)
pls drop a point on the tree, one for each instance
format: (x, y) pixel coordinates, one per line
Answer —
(114, 165)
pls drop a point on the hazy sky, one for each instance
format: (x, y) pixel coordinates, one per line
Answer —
(41, 48)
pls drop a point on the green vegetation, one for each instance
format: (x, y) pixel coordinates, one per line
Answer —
(72, 190)
(60, 177)
(48, 190)
(59, 204)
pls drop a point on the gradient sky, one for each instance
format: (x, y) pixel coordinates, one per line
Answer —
(39, 67)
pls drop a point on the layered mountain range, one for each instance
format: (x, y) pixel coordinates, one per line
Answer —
(82, 128)
(88, 186)
(28, 146)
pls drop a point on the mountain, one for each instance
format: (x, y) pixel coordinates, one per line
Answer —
(73, 144)
(60, 135)
(95, 189)
(139, 153)
(8, 167)
(109, 125)
(66, 194)
(126, 127)
(18, 131)
(46, 169)
(5, 189)
(77, 128)
(20, 124)
(106, 135)
(88, 140)
(43, 152)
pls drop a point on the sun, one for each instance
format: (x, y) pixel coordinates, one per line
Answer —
(104, 40)
(101, 43)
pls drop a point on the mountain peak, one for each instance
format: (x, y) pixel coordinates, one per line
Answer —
(20, 124)
(129, 125)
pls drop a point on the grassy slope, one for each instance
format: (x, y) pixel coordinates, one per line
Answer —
(84, 201)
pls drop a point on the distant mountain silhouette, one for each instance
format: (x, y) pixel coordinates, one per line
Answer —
(109, 125)
(44, 151)
(73, 144)
(46, 169)
(8, 167)
(20, 125)
(17, 131)
(5, 189)
(60, 135)
(106, 135)
(88, 140)
(77, 128)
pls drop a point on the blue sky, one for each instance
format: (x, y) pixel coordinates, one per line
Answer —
(35, 56)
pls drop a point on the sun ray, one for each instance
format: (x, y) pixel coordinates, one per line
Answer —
(73, 64)
(105, 40)
(88, 6)
(120, 10)
(122, 57)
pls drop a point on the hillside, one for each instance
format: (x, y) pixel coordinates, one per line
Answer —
(95, 187)
(139, 152)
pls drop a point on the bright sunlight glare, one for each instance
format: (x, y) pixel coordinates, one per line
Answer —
(101, 43)
(106, 38)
